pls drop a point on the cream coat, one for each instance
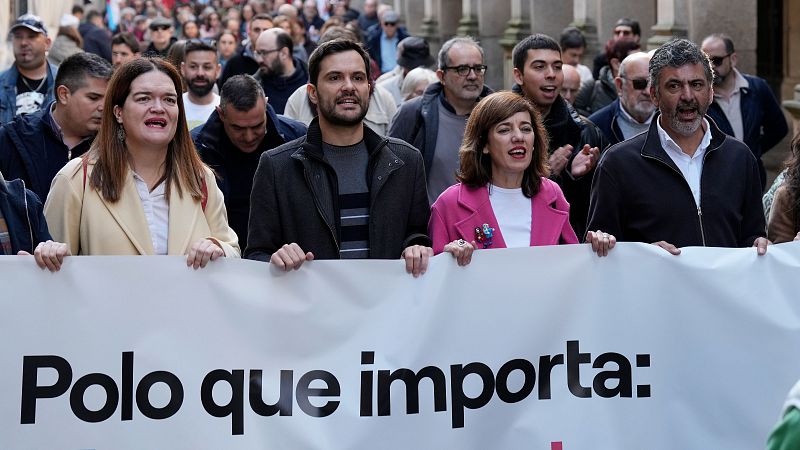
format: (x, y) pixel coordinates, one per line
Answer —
(79, 216)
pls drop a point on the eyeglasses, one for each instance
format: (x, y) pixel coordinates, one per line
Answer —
(390, 24)
(464, 70)
(160, 28)
(264, 53)
(638, 83)
(718, 60)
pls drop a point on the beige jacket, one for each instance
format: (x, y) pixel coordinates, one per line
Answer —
(79, 216)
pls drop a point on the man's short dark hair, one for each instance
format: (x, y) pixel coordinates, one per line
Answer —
(533, 42)
(284, 40)
(241, 92)
(331, 48)
(77, 9)
(261, 16)
(678, 53)
(572, 37)
(127, 39)
(626, 22)
(74, 71)
(725, 40)
(92, 14)
(199, 45)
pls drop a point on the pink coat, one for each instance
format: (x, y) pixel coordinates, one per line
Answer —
(460, 209)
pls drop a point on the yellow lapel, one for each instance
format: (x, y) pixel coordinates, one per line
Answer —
(184, 212)
(128, 212)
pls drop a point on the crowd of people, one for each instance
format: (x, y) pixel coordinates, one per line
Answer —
(284, 132)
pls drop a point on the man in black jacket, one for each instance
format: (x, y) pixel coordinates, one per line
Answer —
(244, 61)
(232, 140)
(342, 191)
(35, 147)
(684, 182)
(575, 143)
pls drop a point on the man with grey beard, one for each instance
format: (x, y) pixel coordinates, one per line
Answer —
(632, 112)
(683, 182)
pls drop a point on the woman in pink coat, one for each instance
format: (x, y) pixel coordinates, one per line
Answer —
(504, 198)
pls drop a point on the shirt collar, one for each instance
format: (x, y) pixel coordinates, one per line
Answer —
(627, 117)
(670, 146)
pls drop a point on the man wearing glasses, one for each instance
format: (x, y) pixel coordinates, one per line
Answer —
(382, 45)
(632, 112)
(161, 37)
(744, 105)
(280, 72)
(435, 121)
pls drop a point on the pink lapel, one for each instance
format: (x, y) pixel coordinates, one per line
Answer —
(546, 221)
(476, 200)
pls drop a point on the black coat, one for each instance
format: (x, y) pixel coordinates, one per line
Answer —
(640, 195)
(295, 199)
(22, 211)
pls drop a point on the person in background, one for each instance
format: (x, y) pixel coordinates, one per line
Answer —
(23, 228)
(142, 188)
(383, 46)
(434, 123)
(124, 47)
(633, 110)
(239, 131)
(161, 37)
(594, 96)
(573, 45)
(784, 218)
(381, 104)
(504, 198)
(36, 146)
(27, 86)
(412, 52)
(744, 105)
(416, 81)
(96, 38)
(369, 15)
(68, 41)
(625, 29)
(244, 61)
(190, 30)
(226, 47)
(311, 20)
(280, 73)
(786, 434)
(212, 26)
(200, 71)
(571, 84)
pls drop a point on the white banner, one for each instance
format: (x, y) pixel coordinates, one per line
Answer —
(536, 348)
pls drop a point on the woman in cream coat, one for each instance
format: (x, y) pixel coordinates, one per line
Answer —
(141, 189)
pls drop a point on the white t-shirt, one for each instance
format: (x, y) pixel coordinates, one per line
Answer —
(198, 114)
(513, 212)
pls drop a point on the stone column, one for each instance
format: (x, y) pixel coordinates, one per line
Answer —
(468, 25)
(493, 16)
(668, 20)
(583, 12)
(793, 107)
(517, 28)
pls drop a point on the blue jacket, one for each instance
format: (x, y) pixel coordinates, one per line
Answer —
(8, 92)
(606, 119)
(762, 117)
(30, 149)
(374, 42)
(22, 211)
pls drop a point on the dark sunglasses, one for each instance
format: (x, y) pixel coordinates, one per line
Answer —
(390, 23)
(718, 60)
(160, 28)
(639, 84)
